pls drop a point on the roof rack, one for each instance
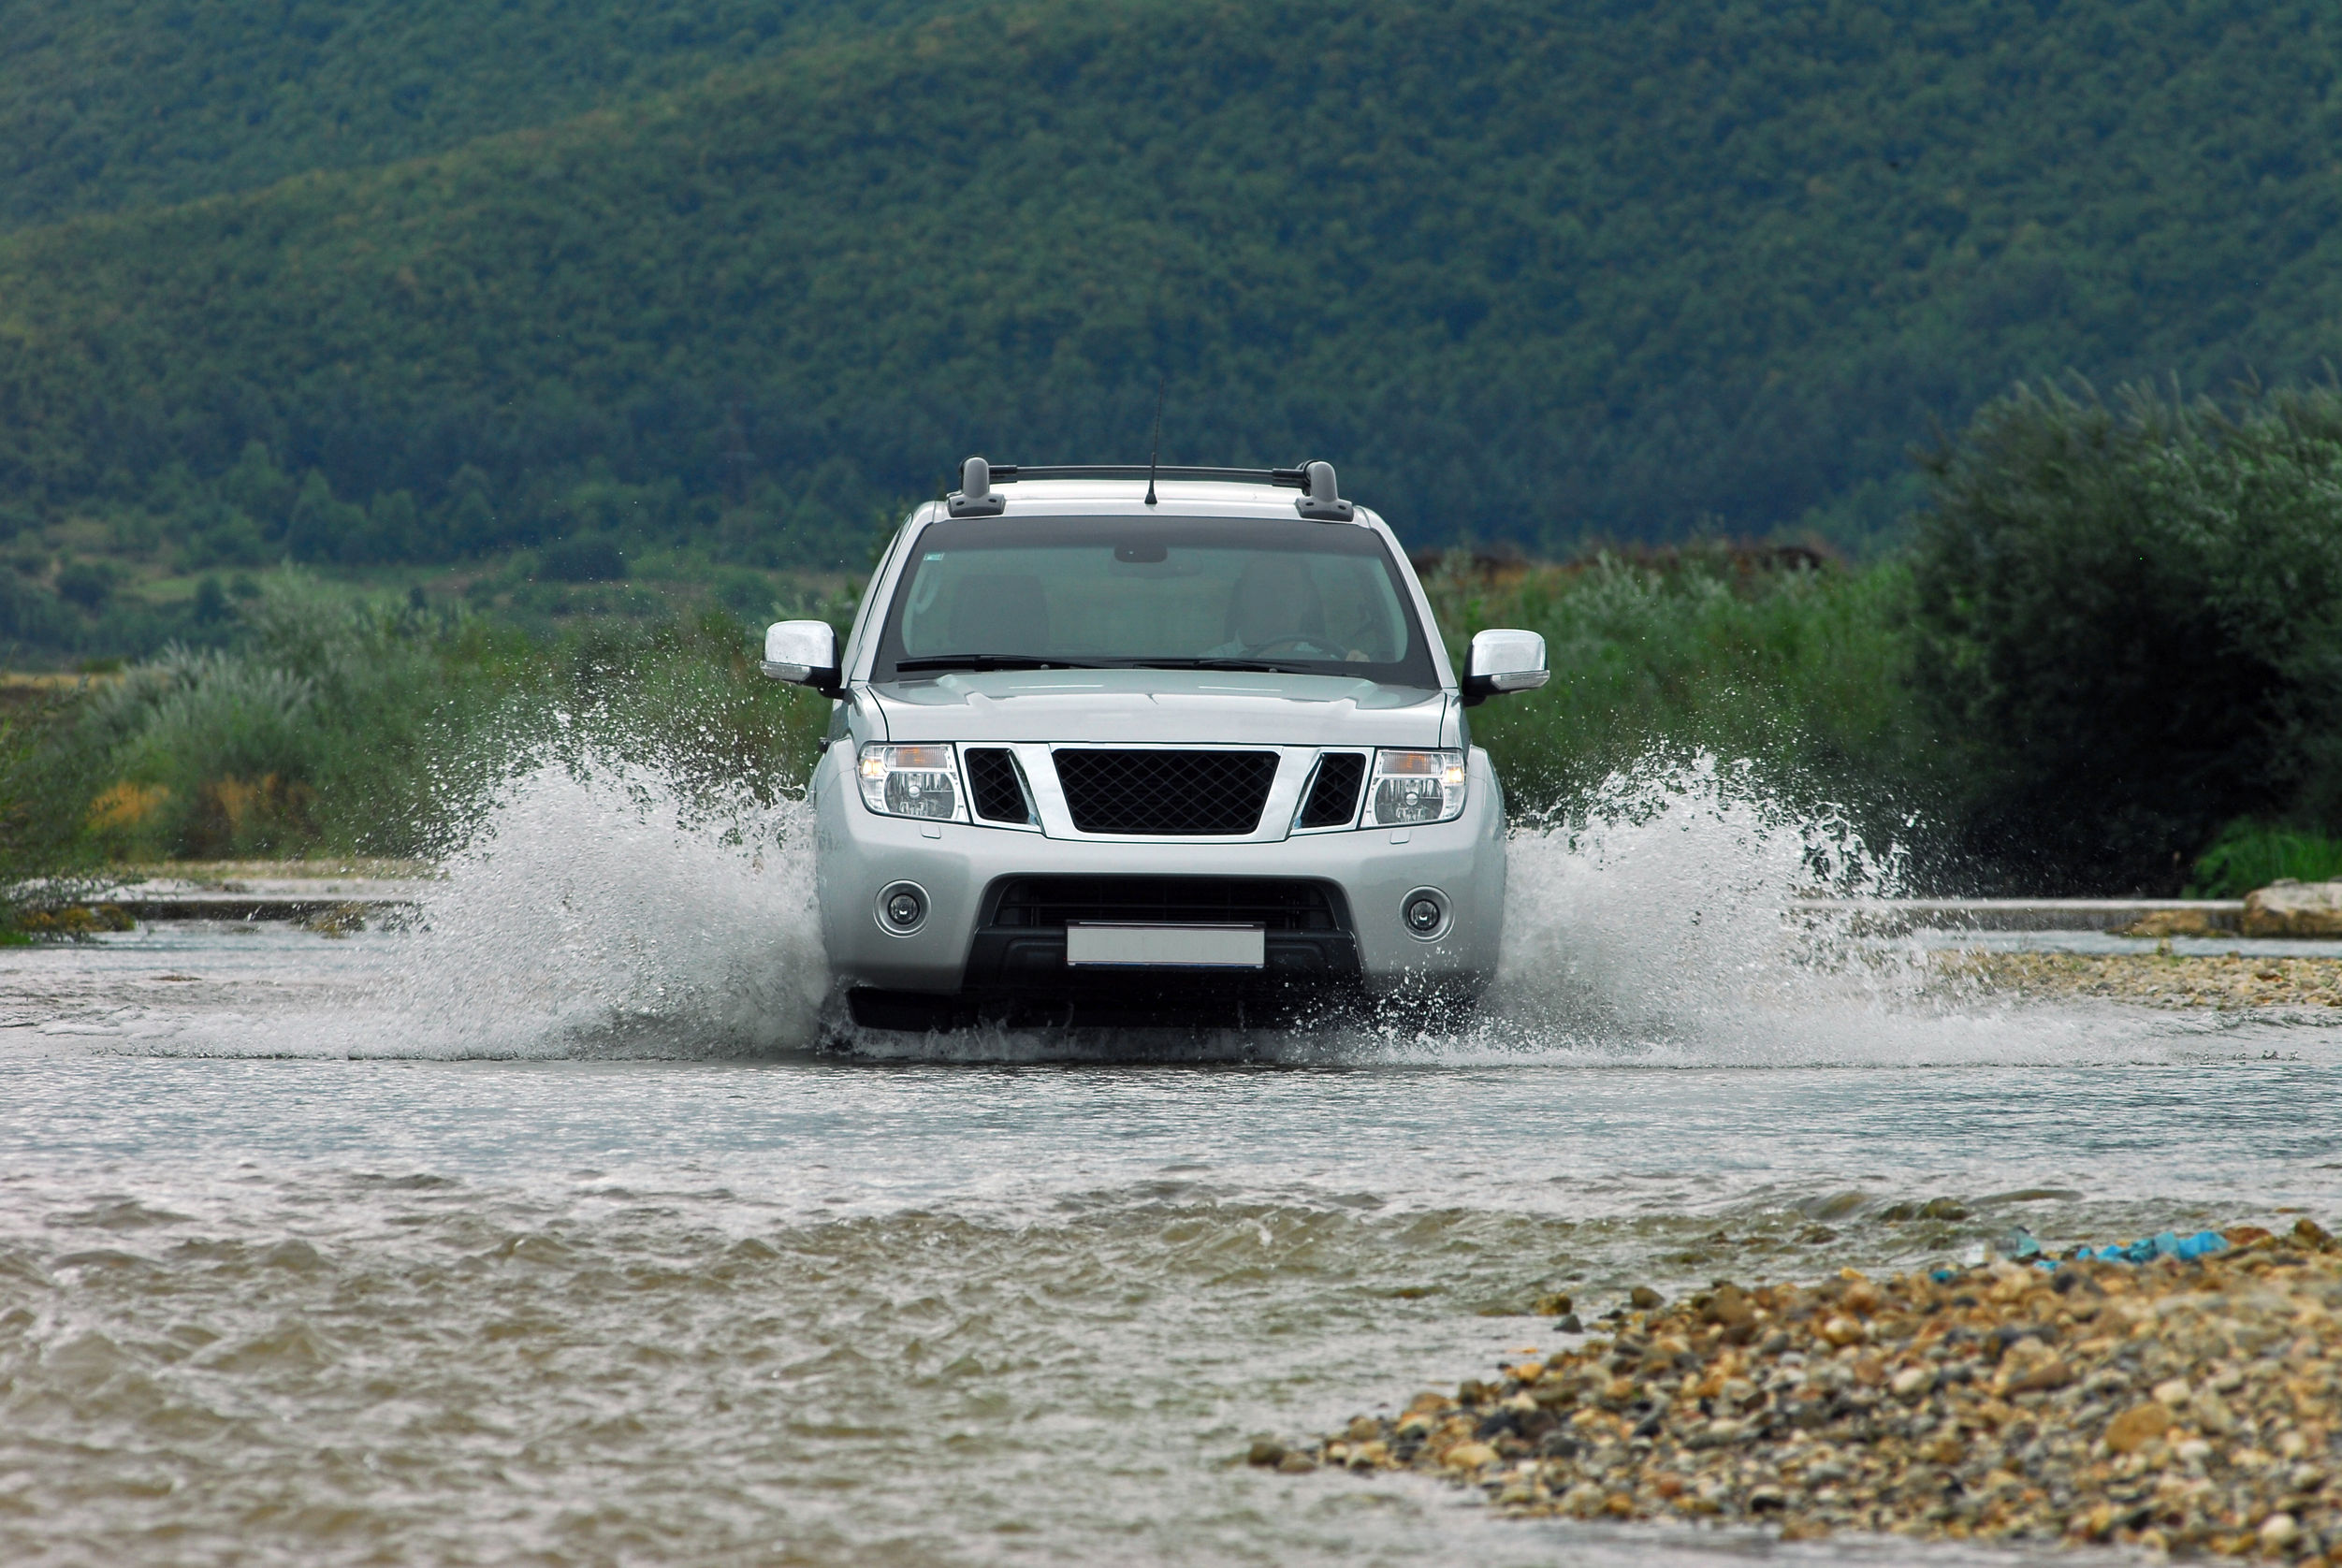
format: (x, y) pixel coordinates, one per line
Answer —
(1292, 478)
(975, 497)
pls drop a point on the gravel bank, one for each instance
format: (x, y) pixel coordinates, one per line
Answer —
(2185, 1407)
(2158, 979)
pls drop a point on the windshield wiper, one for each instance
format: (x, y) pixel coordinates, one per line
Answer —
(1252, 665)
(993, 661)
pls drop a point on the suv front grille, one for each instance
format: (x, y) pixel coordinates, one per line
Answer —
(1275, 903)
(993, 786)
(1333, 798)
(1173, 794)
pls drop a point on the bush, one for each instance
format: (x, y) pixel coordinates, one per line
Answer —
(2130, 621)
(582, 560)
(2249, 854)
(87, 583)
(1796, 665)
(374, 729)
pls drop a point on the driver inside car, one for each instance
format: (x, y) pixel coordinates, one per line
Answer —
(1277, 608)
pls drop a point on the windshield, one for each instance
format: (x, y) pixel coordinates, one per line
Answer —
(1152, 593)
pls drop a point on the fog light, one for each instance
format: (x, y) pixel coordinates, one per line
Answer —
(902, 908)
(1425, 913)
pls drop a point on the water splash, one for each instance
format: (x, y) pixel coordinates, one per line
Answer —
(1663, 906)
(606, 906)
(601, 906)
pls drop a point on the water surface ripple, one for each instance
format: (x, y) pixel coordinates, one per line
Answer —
(561, 1230)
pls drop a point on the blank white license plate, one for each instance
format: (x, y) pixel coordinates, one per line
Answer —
(1165, 947)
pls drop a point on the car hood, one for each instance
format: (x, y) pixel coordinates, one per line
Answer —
(1160, 707)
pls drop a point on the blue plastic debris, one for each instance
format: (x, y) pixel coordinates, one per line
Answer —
(2019, 1245)
(2162, 1244)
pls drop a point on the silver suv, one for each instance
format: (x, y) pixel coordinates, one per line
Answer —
(1123, 745)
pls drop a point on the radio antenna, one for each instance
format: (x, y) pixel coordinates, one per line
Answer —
(1155, 449)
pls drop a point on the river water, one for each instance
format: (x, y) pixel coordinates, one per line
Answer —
(566, 1228)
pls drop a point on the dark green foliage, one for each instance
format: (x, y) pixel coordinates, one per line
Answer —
(124, 103)
(340, 727)
(2131, 626)
(581, 561)
(1526, 268)
(1796, 670)
(86, 583)
(2248, 855)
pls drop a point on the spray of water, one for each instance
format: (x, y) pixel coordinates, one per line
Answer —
(601, 906)
(1662, 906)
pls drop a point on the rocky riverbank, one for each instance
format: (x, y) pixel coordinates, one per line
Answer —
(2161, 980)
(2186, 1407)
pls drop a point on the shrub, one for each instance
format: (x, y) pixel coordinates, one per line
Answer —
(2129, 621)
(1796, 665)
(2249, 854)
(582, 560)
(87, 583)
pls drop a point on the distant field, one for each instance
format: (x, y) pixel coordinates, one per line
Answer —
(149, 599)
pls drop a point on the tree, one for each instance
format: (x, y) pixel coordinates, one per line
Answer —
(2131, 623)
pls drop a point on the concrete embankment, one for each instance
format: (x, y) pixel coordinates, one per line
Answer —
(2181, 1406)
(331, 892)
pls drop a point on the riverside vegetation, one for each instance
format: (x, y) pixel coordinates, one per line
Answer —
(2180, 1406)
(2107, 664)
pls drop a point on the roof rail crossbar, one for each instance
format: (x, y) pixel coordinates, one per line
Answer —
(1292, 478)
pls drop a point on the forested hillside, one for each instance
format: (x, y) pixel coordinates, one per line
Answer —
(1535, 268)
(109, 104)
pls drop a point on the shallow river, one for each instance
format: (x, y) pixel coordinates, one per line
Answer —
(552, 1232)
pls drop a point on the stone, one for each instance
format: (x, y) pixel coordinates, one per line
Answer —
(1644, 1298)
(1296, 1464)
(2047, 1373)
(1843, 1331)
(2287, 908)
(2172, 922)
(1729, 1306)
(1553, 1306)
(2138, 1426)
(2309, 1233)
(1264, 1451)
(1972, 1409)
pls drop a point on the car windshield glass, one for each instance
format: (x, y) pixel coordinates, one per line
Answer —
(1152, 593)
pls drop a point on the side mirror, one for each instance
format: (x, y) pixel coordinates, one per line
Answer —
(1504, 661)
(803, 652)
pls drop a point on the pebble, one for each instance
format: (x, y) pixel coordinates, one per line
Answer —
(2152, 979)
(2180, 1407)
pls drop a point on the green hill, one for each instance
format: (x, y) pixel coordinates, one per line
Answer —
(112, 104)
(1524, 269)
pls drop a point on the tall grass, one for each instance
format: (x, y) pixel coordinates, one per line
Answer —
(2249, 854)
(337, 728)
(1797, 667)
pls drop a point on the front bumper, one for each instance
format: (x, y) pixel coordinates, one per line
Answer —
(964, 951)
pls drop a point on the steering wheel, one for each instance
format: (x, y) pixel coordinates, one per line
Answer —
(1297, 640)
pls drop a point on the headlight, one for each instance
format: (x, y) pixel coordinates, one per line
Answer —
(909, 780)
(1417, 786)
